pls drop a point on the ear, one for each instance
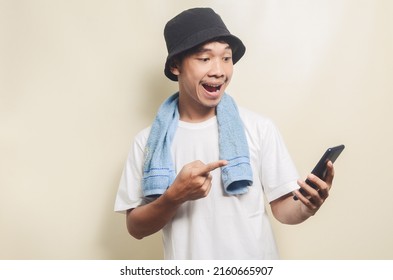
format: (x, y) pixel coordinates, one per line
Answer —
(175, 69)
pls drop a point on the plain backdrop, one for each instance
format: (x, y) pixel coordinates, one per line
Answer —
(79, 78)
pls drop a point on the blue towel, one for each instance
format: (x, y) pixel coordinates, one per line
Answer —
(158, 167)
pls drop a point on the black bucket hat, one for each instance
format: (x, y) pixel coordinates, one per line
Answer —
(193, 27)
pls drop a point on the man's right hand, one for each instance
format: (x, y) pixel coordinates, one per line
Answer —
(193, 181)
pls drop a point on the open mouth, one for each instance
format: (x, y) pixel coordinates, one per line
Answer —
(211, 87)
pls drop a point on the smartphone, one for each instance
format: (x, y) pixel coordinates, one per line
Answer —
(320, 169)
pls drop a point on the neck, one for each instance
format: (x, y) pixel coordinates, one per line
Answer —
(194, 112)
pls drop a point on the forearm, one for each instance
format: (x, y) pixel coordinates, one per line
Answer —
(150, 218)
(193, 182)
(288, 211)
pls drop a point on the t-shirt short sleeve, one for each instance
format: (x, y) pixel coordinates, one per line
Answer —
(129, 194)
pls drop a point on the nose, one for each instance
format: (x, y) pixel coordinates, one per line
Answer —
(217, 68)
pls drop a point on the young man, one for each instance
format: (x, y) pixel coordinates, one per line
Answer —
(204, 168)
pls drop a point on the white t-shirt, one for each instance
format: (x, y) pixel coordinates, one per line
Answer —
(218, 226)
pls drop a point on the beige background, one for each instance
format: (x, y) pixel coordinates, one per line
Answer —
(78, 79)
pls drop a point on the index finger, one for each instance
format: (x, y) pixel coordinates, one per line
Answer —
(213, 165)
(330, 174)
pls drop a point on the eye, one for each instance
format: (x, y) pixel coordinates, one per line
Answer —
(227, 58)
(203, 59)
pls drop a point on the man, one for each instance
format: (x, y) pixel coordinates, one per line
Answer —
(202, 171)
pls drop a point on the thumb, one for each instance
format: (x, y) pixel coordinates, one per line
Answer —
(329, 174)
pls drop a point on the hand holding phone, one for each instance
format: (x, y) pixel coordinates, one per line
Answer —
(320, 169)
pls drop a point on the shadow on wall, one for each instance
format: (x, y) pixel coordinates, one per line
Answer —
(115, 240)
(158, 89)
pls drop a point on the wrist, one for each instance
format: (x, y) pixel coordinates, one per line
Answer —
(307, 212)
(170, 198)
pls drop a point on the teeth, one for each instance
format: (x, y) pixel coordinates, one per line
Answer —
(212, 87)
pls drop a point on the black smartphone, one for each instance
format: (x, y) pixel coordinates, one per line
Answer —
(320, 169)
